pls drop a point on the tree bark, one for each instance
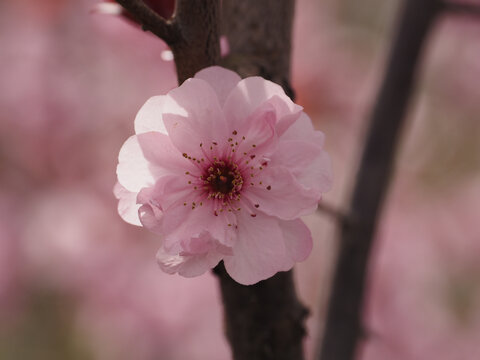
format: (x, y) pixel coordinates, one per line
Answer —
(266, 320)
(199, 46)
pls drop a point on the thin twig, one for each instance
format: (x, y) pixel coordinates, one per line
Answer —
(343, 328)
(166, 30)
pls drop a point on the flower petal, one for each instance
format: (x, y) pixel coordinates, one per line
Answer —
(198, 255)
(127, 204)
(220, 79)
(193, 117)
(149, 117)
(259, 135)
(146, 157)
(168, 191)
(259, 251)
(188, 265)
(295, 155)
(180, 213)
(298, 239)
(317, 177)
(252, 92)
(300, 149)
(182, 223)
(151, 218)
(281, 195)
(302, 129)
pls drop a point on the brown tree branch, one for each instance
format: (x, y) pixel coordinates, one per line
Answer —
(462, 8)
(151, 21)
(199, 46)
(266, 320)
(343, 327)
(192, 33)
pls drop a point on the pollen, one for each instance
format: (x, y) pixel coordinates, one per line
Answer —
(223, 180)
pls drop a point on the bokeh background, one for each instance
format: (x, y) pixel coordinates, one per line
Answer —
(76, 282)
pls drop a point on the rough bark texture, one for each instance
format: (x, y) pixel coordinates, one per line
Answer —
(343, 328)
(198, 47)
(259, 35)
(265, 320)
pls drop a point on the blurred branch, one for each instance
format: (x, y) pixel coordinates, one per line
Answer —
(192, 33)
(462, 8)
(151, 21)
(331, 211)
(264, 321)
(343, 327)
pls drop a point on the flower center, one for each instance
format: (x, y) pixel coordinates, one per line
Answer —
(223, 179)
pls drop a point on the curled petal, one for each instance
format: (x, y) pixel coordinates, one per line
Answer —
(202, 254)
(127, 204)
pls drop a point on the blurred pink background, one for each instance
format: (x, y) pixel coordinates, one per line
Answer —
(76, 282)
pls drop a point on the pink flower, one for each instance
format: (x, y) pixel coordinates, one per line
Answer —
(223, 168)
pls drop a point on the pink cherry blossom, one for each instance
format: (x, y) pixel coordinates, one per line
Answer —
(222, 168)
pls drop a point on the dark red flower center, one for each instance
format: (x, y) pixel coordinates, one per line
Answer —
(224, 180)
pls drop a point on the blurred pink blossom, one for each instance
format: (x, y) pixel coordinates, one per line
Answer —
(217, 163)
(126, 308)
(424, 301)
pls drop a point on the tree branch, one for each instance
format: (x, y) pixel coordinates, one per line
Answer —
(151, 21)
(459, 8)
(264, 321)
(192, 33)
(343, 327)
(199, 46)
